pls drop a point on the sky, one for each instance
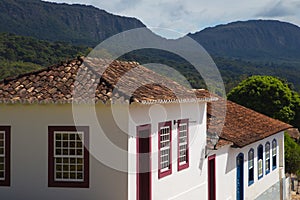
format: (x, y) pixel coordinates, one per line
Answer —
(175, 18)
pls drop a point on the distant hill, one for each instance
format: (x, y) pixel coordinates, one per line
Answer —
(254, 40)
(76, 24)
(255, 47)
(19, 54)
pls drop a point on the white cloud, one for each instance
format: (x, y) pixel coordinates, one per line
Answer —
(194, 15)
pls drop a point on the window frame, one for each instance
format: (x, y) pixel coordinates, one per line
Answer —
(185, 165)
(7, 148)
(262, 161)
(274, 156)
(167, 172)
(51, 157)
(250, 159)
(267, 158)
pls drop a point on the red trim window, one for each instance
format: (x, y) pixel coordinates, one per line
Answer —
(4, 155)
(68, 156)
(165, 149)
(183, 144)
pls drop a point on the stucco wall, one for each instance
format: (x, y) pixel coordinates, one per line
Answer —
(189, 183)
(29, 153)
(226, 170)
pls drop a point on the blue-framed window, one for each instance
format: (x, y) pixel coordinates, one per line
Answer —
(260, 167)
(267, 152)
(274, 154)
(251, 167)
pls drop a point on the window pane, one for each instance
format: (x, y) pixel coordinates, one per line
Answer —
(79, 176)
(65, 137)
(58, 151)
(58, 167)
(58, 136)
(2, 175)
(182, 142)
(72, 136)
(67, 163)
(260, 173)
(260, 150)
(165, 148)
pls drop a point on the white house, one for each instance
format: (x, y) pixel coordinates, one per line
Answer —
(248, 160)
(66, 133)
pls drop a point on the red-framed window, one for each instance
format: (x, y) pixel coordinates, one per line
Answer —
(183, 144)
(68, 161)
(165, 149)
(5, 155)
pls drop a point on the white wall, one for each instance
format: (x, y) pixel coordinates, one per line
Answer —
(29, 153)
(189, 183)
(226, 171)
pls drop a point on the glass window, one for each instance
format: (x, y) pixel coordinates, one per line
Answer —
(267, 150)
(165, 138)
(68, 156)
(183, 144)
(260, 151)
(251, 167)
(274, 154)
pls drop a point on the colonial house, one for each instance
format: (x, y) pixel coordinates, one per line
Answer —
(93, 129)
(247, 162)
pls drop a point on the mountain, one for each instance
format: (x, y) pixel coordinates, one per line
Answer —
(255, 47)
(76, 24)
(254, 40)
(240, 49)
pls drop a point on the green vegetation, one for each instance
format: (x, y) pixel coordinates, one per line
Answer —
(292, 155)
(270, 96)
(20, 54)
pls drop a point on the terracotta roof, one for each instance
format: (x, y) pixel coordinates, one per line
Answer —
(242, 126)
(85, 80)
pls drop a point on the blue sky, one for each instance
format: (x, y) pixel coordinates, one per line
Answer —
(182, 17)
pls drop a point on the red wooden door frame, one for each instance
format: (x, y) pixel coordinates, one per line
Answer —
(210, 184)
(146, 127)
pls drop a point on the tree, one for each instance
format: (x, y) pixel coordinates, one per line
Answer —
(292, 155)
(270, 96)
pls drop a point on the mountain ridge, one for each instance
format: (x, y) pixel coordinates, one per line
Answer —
(256, 40)
(77, 24)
